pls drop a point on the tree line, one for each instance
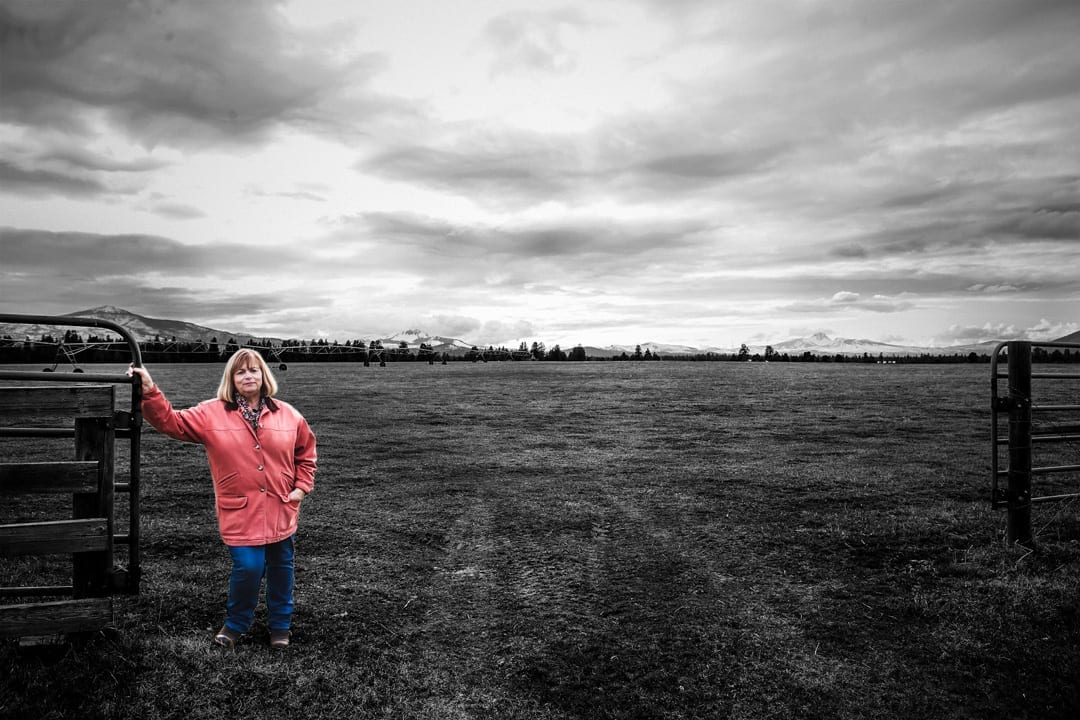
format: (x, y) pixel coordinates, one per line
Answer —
(73, 348)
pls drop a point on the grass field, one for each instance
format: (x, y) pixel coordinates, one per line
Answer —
(604, 540)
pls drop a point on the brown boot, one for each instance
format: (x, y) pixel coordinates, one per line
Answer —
(279, 639)
(227, 637)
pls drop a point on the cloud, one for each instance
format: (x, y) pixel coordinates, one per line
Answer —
(1043, 224)
(479, 332)
(312, 194)
(238, 312)
(691, 169)
(178, 211)
(45, 164)
(513, 168)
(845, 300)
(993, 289)
(171, 73)
(1046, 330)
(1042, 331)
(495, 169)
(39, 181)
(91, 255)
(458, 326)
(577, 247)
(532, 41)
(82, 255)
(84, 159)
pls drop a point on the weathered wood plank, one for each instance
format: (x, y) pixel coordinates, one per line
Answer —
(49, 477)
(67, 401)
(62, 616)
(57, 536)
(29, 591)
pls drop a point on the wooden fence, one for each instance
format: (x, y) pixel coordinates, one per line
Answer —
(74, 497)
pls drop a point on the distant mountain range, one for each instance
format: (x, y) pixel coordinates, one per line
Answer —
(143, 329)
(147, 329)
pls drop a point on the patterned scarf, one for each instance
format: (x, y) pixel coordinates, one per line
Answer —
(250, 414)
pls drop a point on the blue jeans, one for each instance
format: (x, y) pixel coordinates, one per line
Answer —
(250, 565)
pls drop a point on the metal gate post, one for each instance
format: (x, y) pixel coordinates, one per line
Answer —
(1018, 492)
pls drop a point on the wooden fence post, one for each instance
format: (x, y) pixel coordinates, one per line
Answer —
(92, 571)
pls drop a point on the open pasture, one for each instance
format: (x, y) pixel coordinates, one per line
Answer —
(604, 540)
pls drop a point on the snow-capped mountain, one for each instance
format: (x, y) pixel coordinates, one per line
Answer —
(414, 338)
(819, 344)
(655, 348)
(822, 344)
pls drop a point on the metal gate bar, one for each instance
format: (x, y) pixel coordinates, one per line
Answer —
(1018, 406)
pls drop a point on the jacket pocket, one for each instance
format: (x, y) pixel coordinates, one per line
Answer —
(288, 484)
(232, 520)
(288, 515)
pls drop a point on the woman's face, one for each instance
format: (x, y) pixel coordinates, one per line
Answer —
(248, 380)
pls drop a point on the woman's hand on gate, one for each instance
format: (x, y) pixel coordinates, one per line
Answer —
(144, 376)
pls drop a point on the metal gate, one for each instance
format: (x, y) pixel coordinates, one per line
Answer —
(89, 531)
(1042, 437)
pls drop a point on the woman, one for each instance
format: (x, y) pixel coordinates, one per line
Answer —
(262, 460)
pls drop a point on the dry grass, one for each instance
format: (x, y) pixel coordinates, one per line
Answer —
(543, 541)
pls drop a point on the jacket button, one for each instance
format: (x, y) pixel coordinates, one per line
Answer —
(258, 447)
(260, 467)
(262, 489)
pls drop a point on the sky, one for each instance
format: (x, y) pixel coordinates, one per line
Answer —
(696, 172)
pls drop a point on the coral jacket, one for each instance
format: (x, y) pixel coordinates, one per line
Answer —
(253, 471)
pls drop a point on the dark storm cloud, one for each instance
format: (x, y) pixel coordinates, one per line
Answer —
(518, 167)
(177, 211)
(829, 74)
(40, 181)
(576, 249)
(43, 165)
(174, 74)
(1043, 224)
(58, 272)
(165, 72)
(91, 255)
(970, 53)
(692, 169)
(978, 226)
(903, 199)
(81, 158)
(173, 301)
(523, 169)
(1016, 44)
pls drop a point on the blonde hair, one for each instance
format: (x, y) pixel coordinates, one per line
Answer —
(245, 358)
